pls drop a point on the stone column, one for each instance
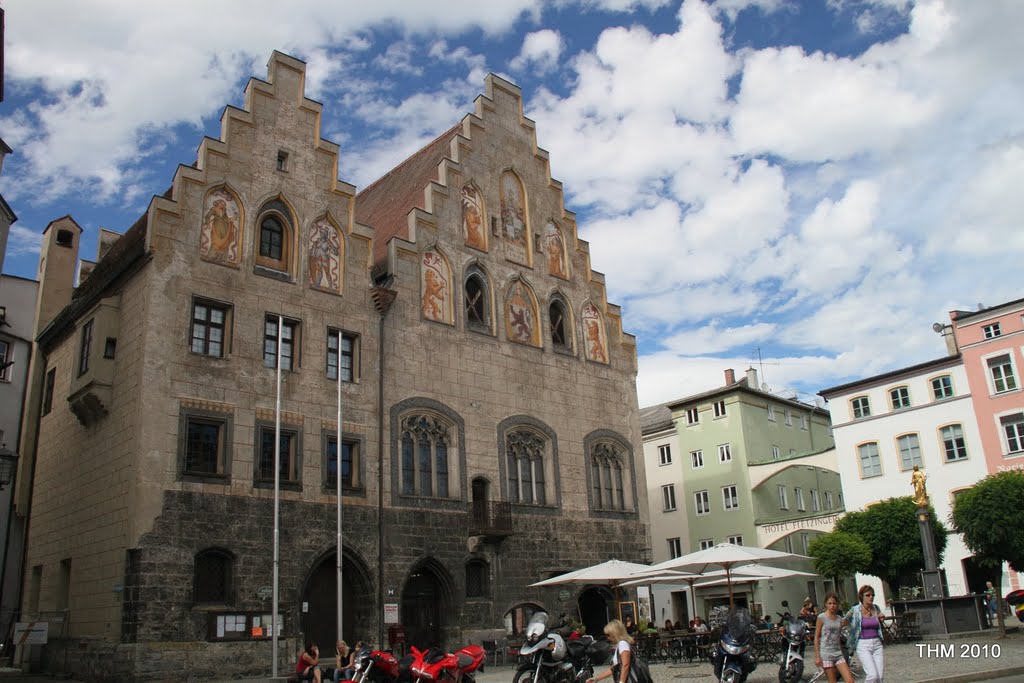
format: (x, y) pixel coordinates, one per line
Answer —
(931, 577)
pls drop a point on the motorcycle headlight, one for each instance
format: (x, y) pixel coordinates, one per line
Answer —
(734, 649)
(532, 638)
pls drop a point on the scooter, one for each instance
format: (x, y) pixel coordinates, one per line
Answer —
(732, 659)
(543, 654)
(435, 664)
(794, 637)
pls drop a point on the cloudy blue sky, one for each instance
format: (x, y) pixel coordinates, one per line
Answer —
(818, 180)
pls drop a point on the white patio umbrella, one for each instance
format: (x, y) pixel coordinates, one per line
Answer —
(607, 573)
(611, 573)
(726, 556)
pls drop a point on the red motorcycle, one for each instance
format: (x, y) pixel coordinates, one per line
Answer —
(435, 664)
(379, 667)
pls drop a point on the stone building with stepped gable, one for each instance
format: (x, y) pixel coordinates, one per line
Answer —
(490, 432)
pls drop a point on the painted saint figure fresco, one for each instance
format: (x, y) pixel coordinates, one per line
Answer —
(595, 339)
(324, 257)
(554, 245)
(513, 219)
(436, 285)
(219, 239)
(521, 316)
(473, 218)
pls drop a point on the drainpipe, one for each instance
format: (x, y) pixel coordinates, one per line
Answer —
(383, 297)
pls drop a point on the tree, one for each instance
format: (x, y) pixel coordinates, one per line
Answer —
(891, 530)
(840, 555)
(992, 523)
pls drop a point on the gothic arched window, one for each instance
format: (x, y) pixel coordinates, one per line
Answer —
(526, 452)
(477, 301)
(607, 478)
(561, 326)
(276, 237)
(425, 444)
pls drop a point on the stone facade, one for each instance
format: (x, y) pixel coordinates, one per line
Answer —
(489, 373)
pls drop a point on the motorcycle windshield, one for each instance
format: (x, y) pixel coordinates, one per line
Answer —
(738, 624)
(537, 627)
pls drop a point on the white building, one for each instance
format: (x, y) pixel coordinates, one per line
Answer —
(922, 415)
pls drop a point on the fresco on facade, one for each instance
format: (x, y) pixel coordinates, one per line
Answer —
(514, 231)
(325, 256)
(595, 339)
(554, 246)
(521, 317)
(437, 288)
(220, 238)
(473, 224)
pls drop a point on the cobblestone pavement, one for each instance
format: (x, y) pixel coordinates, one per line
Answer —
(906, 663)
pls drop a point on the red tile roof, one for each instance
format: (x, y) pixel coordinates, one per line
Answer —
(386, 202)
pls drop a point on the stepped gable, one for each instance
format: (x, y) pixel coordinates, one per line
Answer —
(395, 204)
(215, 162)
(385, 204)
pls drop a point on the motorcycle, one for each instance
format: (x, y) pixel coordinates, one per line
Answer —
(794, 638)
(544, 653)
(378, 666)
(585, 653)
(732, 659)
(435, 664)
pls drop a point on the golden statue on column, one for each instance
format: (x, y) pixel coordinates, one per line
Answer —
(920, 493)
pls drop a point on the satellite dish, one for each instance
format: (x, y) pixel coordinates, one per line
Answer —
(937, 327)
(765, 388)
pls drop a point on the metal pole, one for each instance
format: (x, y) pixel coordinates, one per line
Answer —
(277, 493)
(338, 467)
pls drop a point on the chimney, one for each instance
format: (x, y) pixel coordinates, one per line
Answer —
(730, 377)
(752, 379)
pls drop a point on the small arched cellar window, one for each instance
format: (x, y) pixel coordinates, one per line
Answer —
(213, 576)
(478, 301)
(478, 584)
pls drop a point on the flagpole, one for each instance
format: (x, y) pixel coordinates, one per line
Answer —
(338, 469)
(277, 493)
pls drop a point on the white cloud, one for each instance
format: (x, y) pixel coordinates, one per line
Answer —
(540, 51)
(820, 107)
(22, 240)
(713, 336)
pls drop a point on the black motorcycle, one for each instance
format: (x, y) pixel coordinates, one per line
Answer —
(732, 660)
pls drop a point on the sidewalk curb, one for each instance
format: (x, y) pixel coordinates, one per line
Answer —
(977, 675)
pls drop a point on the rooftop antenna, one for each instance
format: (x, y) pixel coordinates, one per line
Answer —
(759, 363)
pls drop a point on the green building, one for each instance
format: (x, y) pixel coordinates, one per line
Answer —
(741, 465)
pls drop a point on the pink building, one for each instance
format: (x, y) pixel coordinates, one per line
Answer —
(991, 342)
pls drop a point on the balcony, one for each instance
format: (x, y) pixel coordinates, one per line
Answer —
(490, 519)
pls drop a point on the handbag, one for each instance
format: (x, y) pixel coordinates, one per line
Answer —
(639, 672)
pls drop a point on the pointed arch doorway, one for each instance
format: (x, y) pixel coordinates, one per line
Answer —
(427, 606)
(319, 621)
(595, 609)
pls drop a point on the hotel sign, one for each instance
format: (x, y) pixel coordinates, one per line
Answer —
(825, 523)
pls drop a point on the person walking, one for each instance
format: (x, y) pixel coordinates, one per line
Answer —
(865, 620)
(990, 600)
(828, 646)
(622, 658)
